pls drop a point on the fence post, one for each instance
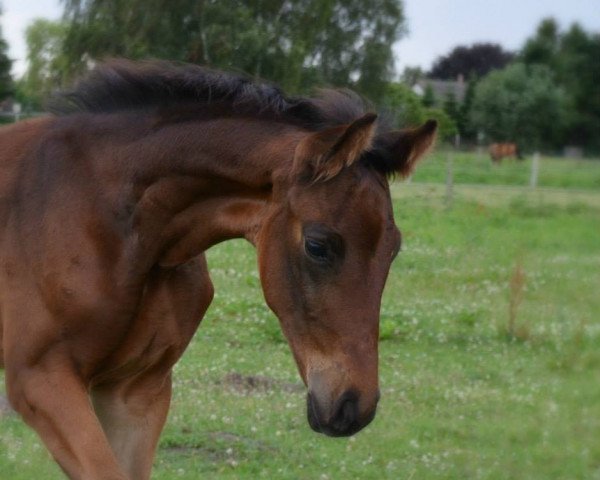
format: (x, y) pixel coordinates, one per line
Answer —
(17, 111)
(449, 181)
(535, 170)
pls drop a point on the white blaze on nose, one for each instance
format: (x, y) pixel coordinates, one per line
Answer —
(327, 377)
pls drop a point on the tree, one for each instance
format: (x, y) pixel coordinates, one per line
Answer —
(472, 61)
(578, 70)
(520, 104)
(412, 75)
(464, 124)
(6, 82)
(451, 107)
(404, 106)
(573, 58)
(407, 110)
(296, 43)
(428, 99)
(446, 126)
(543, 48)
(46, 64)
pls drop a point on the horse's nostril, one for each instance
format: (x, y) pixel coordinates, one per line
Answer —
(346, 415)
(344, 418)
(312, 413)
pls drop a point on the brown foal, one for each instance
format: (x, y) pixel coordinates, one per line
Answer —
(107, 208)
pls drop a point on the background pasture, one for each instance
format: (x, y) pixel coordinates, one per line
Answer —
(469, 390)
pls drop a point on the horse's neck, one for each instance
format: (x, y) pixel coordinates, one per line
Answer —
(207, 183)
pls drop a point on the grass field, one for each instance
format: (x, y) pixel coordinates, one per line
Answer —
(468, 390)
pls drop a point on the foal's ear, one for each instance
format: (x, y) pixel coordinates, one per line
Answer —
(404, 148)
(322, 155)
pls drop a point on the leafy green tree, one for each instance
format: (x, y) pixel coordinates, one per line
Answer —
(428, 99)
(296, 43)
(451, 106)
(464, 124)
(446, 125)
(520, 104)
(543, 47)
(404, 106)
(573, 58)
(412, 75)
(407, 110)
(46, 64)
(578, 70)
(6, 82)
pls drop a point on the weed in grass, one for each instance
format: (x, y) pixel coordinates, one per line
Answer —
(576, 208)
(273, 333)
(386, 329)
(5, 408)
(514, 331)
(468, 318)
(525, 207)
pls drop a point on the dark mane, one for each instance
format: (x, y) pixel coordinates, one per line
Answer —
(121, 85)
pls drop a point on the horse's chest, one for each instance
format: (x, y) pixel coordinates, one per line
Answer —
(167, 317)
(151, 342)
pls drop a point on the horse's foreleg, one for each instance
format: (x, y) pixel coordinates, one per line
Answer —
(133, 409)
(132, 415)
(52, 399)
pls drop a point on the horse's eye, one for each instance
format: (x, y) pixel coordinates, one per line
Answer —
(316, 249)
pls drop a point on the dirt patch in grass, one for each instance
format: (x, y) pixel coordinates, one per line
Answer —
(219, 446)
(248, 384)
(5, 408)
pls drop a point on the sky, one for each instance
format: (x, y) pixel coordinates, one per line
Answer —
(434, 26)
(437, 26)
(17, 14)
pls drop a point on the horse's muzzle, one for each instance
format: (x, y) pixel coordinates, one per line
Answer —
(345, 419)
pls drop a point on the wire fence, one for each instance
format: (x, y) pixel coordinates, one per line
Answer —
(451, 167)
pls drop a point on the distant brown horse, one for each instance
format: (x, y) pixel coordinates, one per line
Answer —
(108, 207)
(498, 151)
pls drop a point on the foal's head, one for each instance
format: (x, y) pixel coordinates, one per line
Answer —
(325, 250)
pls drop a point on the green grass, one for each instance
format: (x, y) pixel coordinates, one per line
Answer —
(471, 168)
(463, 397)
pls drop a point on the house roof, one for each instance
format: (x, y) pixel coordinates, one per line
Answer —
(442, 88)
